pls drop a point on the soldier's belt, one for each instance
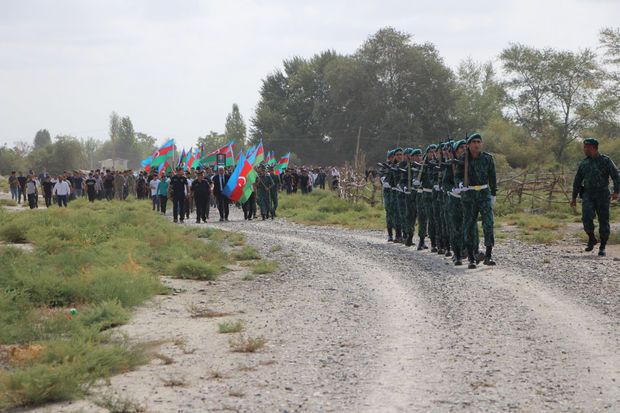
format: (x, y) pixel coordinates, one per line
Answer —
(474, 188)
(436, 187)
(453, 194)
(425, 190)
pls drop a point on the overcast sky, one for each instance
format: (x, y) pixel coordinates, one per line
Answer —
(176, 67)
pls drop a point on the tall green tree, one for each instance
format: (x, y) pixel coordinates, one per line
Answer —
(42, 139)
(235, 127)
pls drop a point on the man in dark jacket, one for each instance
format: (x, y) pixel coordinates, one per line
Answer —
(219, 183)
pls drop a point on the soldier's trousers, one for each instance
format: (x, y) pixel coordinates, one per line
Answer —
(596, 204)
(401, 202)
(455, 223)
(445, 220)
(437, 217)
(274, 199)
(265, 203)
(412, 212)
(387, 203)
(422, 217)
(427, 199)
(477, 203)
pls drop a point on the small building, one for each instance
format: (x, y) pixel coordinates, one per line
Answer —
(116, 164)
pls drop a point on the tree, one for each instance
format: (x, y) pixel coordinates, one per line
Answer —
(479, 96)
(64, 154)
(235, 127)
(551, 92)
(90, 148)
(212, 141)
(42, 139)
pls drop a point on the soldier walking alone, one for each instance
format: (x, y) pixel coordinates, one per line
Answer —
(592, 183)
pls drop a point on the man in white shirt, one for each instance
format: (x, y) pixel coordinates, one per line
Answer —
(62, 190)
(154, 196)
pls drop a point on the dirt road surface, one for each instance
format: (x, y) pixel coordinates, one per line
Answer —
(354, 324)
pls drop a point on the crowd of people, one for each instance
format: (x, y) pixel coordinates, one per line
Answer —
(196, 190)
(446, 187)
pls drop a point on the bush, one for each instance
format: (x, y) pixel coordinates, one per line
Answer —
(247, 253)
(14, 233)
(196, 270)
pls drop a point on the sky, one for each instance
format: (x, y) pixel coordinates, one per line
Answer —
(176, 67)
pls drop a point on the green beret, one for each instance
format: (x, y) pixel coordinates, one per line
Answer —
(390, 153)
(473, 137)
(590, 141)
(408, 151)
(416, 152)
(396, 150)
(456, 144)
(431, 147)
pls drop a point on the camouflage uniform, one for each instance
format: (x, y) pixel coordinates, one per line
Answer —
(592, 181)
(401, 199)
(427, 202)
(264, 184)
(476, 200)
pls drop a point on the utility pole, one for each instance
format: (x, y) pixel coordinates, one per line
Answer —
(357, 147)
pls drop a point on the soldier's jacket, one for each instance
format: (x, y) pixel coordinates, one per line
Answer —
(427, 176)
(594, 173)
(403, 175)
(481, 171)
(447, 181)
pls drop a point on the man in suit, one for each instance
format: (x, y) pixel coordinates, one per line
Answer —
(219, 183)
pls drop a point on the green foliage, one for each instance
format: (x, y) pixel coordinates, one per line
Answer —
(228, 327)
(235, 127)
(247, 253)
(325, 208)
(196, 270)
(103, 259)
(42, 139)
(265, 267)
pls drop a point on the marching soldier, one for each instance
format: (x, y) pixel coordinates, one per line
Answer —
(396, 198)
(427, 196)
(592, 182)
(385, 178)
(264, 184)
(413, 199)
(478, 188)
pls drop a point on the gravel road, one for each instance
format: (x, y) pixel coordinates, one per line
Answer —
(354, 324)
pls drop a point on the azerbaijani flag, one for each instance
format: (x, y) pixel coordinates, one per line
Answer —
(191, 159)
(146, 163)
(163, 153)
(272, 159)
(164, 168)
(211, 157)
(239, 179)
(258, 155)
(282, 164)
(181, 162)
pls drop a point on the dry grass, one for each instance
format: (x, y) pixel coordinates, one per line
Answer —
(217, 375)
(164, 359)
(174, 382)
(119, 404)
(245, 344)
(198, 311)
(236, 393)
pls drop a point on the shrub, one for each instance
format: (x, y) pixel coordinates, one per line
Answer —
(195, 270)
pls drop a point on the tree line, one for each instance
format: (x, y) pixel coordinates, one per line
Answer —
(395, 92)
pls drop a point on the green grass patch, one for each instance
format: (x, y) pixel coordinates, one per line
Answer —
(228, 327)
(326, 208)
(247, 253)
(8, 202)
(233, 239)
(196, 270)
(103, 259)
(265, 267)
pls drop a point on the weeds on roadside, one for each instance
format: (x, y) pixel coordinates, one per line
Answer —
(199, 311)
(247, 253)
(230, 327)
(265, 267)
(119, 404)
(245, 344)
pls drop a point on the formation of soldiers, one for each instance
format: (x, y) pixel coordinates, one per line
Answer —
(444, 189)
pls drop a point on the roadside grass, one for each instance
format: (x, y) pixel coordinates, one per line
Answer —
(247, 253)
(102, 259)
(245, 344)
(228, 327)
(8, 202)
(321, 207)
(265, 267)
(234, 239)
(4, 184)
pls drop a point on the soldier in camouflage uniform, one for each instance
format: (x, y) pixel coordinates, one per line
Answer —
(384, 177)
(592, 182)
(478, 191)
(402, 194)
(415, 159)
(264, 184)
(274, 191)
(454, 209)
(425, 199)
(397, 199)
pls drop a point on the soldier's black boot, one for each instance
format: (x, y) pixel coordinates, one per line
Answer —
(399, 236)
(422, 245)
(457, 258)
(487, 257)
(479, 256)
(441, 250)
(591, 241)
(409, 241)
(390, 237)
(601, 248)
(433, 245)
(471, 259)
(448, 253)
